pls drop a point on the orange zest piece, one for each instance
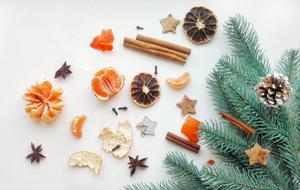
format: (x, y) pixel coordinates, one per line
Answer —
(190, 129)
(43, 101)
(106, 83)
(211, 162)
(77, 124)
(104, 41)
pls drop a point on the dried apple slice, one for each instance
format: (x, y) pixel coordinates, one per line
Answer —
(180, 82)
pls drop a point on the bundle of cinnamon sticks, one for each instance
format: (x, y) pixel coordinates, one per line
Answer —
(158, 47)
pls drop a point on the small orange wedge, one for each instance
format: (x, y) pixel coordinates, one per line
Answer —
(106, 83)
(180, 82)
(76, 125)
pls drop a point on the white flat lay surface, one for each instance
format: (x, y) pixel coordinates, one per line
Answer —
(36, 37)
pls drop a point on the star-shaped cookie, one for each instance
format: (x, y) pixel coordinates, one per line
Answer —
(257, 155)
(169, 24)
(147, 126)
(187, 106)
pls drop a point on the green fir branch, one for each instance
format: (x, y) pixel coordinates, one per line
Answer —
(233, 67)
(231, 177)
(217, 92)
(168, 185)
(221, 139)
(182, 171)
(289, 66)
(245, 46)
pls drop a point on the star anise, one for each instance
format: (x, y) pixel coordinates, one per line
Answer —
(36, 153)
(63, 71)
(136, 162)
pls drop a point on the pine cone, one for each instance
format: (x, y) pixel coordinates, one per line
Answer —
(273, 90)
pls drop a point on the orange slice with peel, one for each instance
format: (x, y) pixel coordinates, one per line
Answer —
(76, 125)
(104, 41)
(180, 82)
(190, 129)
(106, 83)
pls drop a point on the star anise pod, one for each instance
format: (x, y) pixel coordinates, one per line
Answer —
(136, 162)
(36, 153)
(63, 71)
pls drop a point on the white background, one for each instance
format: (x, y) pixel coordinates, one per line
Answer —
(36, 37)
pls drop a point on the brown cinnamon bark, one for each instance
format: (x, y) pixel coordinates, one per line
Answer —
(154, 47)
(239, 124)
(164, 44)
(155, 52)
(183, 142)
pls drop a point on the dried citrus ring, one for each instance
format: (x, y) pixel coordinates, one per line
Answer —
(200, 25)
(190, 129)
(104, 41)
(145, 89)
(44, 102)
(76, 125)
(180, 82)
(106, 83)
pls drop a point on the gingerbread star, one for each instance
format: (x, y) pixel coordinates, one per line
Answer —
(257, 155)
(169, 24)
(187, 106)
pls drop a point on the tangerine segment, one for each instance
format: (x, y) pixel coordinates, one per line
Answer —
(180, 82)
(104, 41)
(190, 129)
(76, 125)
(106, 83)
(43, 101)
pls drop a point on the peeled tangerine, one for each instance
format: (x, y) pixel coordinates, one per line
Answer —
(104, 41)
(180, 82)
(76, 125)
(106, 83)
(190, 129)
(44, 102)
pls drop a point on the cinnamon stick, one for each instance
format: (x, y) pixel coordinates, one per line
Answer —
(154, 47)
(155, 52)
(183, 142)
(239, 124)
(164, 44)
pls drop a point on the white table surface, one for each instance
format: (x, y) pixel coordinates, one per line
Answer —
(36, 37)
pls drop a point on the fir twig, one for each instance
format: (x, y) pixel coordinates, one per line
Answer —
(230, 177)
(182, 171)
(244, 42)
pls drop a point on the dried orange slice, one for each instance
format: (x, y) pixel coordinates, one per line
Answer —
(76, 125)
(180, 82)
(106, 83)
(145, 90)
(190, 129)
(44, 102)
(104, 41)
